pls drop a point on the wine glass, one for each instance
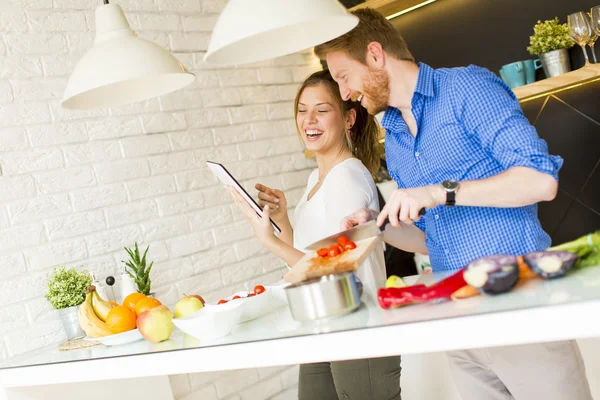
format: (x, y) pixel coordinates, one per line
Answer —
(580, 31)
(595, 19)
(593, 36)
(595, 22)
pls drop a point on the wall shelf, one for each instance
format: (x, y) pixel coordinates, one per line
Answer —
(559, 83)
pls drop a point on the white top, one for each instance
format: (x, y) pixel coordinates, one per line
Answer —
(347, 188)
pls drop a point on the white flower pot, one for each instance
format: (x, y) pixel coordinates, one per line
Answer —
(70, 322)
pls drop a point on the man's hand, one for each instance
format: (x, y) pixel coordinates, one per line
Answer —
(404, 204)
(359, 217)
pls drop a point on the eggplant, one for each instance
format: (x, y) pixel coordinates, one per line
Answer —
(550, 264)
(494, 274)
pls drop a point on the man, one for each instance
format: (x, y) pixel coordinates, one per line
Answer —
(458, 145)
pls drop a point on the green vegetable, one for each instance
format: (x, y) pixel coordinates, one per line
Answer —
(66, 287)
(586, 247)
(141, 273)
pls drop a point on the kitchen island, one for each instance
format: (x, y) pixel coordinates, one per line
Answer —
(538, 311)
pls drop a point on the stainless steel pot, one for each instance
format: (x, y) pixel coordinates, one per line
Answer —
(325, 297)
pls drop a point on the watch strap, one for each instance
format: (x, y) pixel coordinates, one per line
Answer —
(450, 198)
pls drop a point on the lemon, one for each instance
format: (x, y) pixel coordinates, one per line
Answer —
(395, 281)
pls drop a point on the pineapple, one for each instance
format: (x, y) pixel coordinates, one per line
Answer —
(139, 272)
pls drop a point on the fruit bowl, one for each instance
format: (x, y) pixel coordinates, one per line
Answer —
(118, 338)
(252, 307)
(258, 305)
(211, 321)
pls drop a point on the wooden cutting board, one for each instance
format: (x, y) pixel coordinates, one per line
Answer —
(312, 266)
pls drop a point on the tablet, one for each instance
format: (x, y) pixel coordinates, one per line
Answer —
(227, 179)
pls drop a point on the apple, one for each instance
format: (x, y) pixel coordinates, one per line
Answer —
(198, 297)
(188, 305)
(156, 324)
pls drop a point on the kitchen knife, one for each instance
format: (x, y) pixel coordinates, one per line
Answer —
(359, 232)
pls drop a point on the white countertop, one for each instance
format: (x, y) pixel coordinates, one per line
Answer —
(565, 308)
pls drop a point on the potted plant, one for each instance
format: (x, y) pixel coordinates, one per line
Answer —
(65, 290)
(550, 42)
(138, 270)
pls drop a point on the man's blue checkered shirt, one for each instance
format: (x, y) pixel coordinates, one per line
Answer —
(470, 127)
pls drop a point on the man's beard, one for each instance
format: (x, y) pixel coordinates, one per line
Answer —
(376, 89)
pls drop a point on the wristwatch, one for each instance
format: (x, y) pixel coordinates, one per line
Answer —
(450, 187)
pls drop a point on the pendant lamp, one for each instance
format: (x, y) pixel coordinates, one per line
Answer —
(121, 68)
(248, 31)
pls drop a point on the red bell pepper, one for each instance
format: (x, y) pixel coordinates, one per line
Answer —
(394, 297)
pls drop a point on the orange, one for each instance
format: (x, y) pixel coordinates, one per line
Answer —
(112, 303)
(145, 305)
(120, 319)
(133, 298)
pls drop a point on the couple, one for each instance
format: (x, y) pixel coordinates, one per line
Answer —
(457, 144)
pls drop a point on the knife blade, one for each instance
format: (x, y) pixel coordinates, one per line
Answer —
(359, 232)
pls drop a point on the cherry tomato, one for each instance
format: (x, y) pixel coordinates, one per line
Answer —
(222, 301)
(349, 246)
(236, 297)
(342, 240)
(250, 294)
(258, 289)
(323, 252)
(334, 250)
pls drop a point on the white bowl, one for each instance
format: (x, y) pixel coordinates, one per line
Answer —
(211, 321)
(258, 305)
(252, 307)
(118, 338)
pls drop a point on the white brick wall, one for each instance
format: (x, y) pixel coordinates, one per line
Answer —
(78, 186)
(273, 383)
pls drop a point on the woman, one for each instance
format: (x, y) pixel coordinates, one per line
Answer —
(343, 137)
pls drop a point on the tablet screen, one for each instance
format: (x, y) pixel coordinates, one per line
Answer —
(227, 179)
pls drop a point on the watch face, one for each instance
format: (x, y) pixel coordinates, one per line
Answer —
(449, 184)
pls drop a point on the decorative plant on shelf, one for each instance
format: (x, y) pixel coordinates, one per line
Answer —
(548, 36)
(137, 269)
(66, 287)
(550, 42)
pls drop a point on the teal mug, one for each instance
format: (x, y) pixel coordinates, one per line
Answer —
(513, 74)
(520, 73)
(530, 67)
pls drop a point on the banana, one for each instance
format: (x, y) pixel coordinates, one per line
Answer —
(101, 307)
(88, 320)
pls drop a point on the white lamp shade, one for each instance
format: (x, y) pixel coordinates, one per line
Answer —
(248, 31)
(122, 68)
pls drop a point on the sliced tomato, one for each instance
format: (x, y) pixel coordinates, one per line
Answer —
(258, 289)
(350, 245)
(334, 250)
(323, 252)
(236, 297)
(342, 240)
(222, 301)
